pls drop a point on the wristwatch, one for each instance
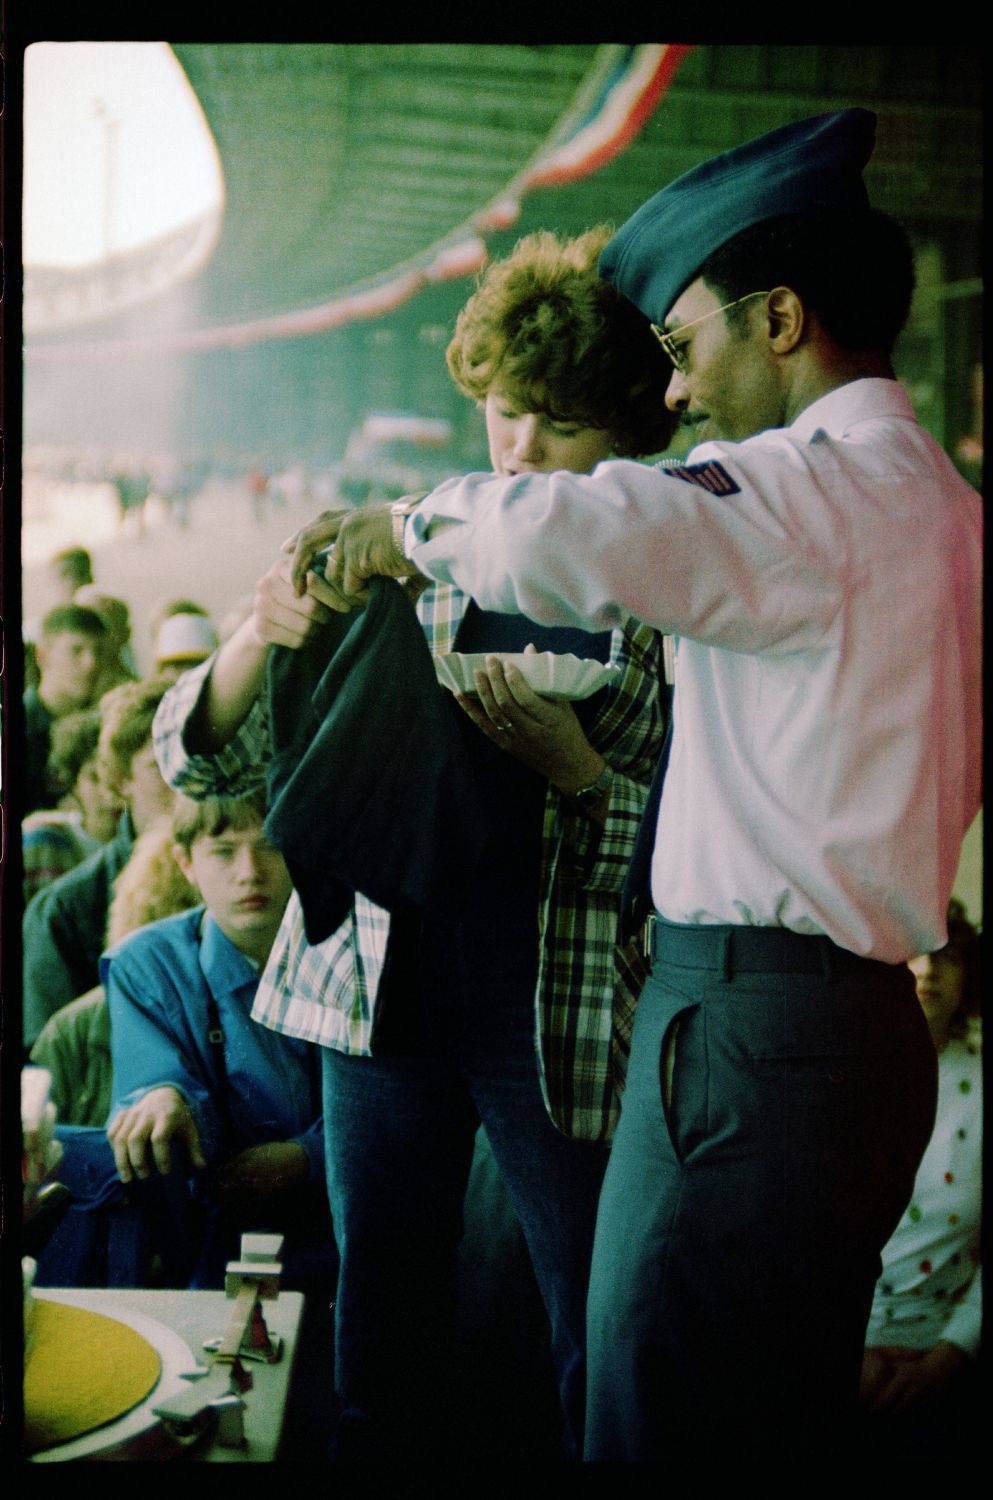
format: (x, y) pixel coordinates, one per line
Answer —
(399, 512)
(589, 797)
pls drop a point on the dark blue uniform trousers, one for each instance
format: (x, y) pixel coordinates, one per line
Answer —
(740, 1226)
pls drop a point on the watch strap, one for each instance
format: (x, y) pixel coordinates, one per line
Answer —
(589, 796)
(399, 511)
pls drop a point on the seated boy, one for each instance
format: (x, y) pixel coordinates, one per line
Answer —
(216, 1123)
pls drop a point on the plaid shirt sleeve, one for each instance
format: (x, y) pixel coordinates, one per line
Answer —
(588, 985)
(236, 770)
(628, 733)
(321, 992)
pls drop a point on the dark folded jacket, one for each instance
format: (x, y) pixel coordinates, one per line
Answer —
(370, 786)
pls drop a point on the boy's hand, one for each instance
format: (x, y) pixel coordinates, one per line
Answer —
(154, 1121)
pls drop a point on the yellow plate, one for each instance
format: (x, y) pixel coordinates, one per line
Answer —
(83, 1370)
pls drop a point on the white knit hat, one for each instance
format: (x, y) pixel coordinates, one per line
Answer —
(184, 638)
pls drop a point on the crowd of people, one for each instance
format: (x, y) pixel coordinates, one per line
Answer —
(612, 1060)
(178, 489)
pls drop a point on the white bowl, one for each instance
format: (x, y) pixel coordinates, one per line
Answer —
(547, 674)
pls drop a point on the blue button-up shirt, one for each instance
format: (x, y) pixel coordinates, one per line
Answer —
(159, 981)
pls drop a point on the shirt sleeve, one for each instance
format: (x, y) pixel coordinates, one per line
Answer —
(628, 539)
(147, 1045)
(236, 770)
(964, 1327)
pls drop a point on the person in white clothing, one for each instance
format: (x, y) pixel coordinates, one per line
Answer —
(819, 559)
(925, 1327)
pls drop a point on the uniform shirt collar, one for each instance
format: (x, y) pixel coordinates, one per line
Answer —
(858, 401)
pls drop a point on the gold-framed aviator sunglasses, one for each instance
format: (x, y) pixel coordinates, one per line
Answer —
(677, 352)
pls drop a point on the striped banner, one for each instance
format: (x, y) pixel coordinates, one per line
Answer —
(635, 85)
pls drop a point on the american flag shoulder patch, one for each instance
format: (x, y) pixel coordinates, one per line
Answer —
(710, 476)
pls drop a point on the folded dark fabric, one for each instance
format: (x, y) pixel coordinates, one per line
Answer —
(370, 788)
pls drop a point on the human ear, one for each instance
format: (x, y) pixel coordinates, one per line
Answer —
(787, 319)
(185, 864)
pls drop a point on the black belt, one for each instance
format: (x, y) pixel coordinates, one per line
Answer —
(750, 950)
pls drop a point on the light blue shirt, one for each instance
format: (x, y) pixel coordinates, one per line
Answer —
(158, 983)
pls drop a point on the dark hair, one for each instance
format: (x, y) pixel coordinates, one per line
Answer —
(112, 610)
(965, 942)
(126, 715)
(855, 271)
(73, 563)
(560, 340)
(74, 741)
(75, 617)
(193, 820)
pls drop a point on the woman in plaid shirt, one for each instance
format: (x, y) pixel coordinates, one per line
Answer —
(513, 1005)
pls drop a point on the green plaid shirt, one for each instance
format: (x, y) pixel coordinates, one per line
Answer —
(587, 985)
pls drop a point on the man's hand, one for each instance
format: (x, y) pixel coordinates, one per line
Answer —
(362, 548)
(158, 1117)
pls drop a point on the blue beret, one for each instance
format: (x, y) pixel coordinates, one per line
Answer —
(802, 168)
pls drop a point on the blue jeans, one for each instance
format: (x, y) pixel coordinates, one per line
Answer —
(399, 1141)
(742, 1218)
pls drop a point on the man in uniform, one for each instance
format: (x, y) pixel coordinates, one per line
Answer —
(818, 558)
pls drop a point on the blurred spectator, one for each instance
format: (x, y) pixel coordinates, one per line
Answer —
(65, 923)
(184, 640)
(84, 816)
(257, 483)
(70, 570)
(74, 1044)
(162, 612)
(919, 1374)
(70, 657)
(119, 661)
(189, 477)
(292, 485)
(67, 571)
(132, 485)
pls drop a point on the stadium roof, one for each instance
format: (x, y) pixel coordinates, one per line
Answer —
(364, 183)
(357, 175)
